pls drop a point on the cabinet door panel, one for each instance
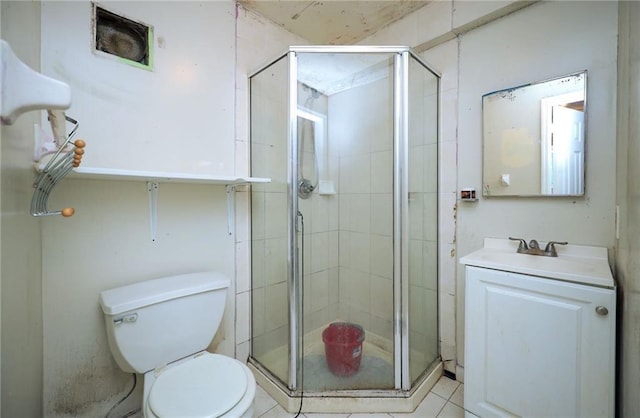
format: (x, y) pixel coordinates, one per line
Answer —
(536, 347)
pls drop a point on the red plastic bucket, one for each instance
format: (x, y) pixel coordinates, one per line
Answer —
(343, 347)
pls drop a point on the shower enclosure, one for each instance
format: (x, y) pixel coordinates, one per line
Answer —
(346, 231)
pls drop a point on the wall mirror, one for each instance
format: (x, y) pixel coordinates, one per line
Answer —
(534, 138)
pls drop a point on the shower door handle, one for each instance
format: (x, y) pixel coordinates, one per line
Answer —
(300, 222)
(300, 243)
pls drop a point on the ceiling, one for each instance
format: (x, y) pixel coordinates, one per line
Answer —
(333, 22)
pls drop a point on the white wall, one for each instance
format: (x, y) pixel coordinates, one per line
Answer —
(510, 50)
(21, 243)
(106, 244)
(545, 40)
(629, 201)
(177, 117)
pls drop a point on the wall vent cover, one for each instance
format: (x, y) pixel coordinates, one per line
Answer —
(122, 37)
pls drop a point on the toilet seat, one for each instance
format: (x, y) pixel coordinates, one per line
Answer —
(205, 386)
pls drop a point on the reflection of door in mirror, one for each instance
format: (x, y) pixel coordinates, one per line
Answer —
(562, 144)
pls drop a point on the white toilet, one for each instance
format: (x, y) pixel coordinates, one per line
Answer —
(160, 328)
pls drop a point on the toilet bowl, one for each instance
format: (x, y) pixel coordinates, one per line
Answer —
(206, 385)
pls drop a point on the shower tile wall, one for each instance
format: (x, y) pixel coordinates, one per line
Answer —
(348, 263)
(320, 278)
(361, 146)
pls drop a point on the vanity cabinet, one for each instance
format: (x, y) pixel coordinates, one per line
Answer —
(537, 346)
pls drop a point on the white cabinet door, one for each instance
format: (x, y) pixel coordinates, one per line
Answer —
(537, 347)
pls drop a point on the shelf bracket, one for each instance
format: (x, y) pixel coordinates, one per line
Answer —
(231, 207)
(152, 188)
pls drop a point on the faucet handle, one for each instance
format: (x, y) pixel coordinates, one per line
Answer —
(550, 249)
(523, 244)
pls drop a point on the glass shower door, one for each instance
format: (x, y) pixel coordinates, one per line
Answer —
(345, 147)
(345, 236)
(270, 219)
(422, 218)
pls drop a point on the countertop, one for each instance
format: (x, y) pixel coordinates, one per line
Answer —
(575, 263)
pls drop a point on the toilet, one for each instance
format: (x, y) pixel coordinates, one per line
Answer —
(160, 328)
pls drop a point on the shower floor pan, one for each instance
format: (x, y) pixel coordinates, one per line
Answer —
(325, 392)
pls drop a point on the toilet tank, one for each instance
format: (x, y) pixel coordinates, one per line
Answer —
(155, 322)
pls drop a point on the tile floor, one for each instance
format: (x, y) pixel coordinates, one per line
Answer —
(444, 401)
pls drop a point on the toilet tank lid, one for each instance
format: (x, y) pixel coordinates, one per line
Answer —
(138, 295)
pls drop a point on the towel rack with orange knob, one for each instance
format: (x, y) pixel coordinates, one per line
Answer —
(68, 155)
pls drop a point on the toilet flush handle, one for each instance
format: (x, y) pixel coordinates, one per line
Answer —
(126, 318)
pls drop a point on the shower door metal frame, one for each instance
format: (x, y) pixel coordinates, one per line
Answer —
(295, 277)
(400, 225)
(400, 73)
(400, 219)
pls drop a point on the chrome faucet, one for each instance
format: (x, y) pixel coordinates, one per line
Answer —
(534, 248)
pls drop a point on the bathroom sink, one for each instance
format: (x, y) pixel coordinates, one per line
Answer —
(575, 263)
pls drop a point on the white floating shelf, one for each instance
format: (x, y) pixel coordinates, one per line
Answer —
(157, 176)
(153, 178)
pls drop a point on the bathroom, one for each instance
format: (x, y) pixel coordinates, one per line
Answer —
(55, 357)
